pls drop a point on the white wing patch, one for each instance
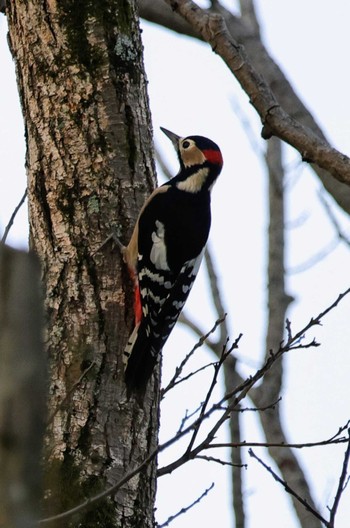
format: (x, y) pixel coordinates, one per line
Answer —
(158, 255)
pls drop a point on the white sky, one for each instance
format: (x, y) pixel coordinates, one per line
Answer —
(191, 92)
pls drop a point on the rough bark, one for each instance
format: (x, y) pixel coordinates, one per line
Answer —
(89, 163)
(22, 388)
(246, 32)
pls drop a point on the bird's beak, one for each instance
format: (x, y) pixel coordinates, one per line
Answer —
(174, 138)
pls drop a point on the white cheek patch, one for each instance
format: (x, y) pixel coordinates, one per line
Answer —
(158, 255)
(195, 182)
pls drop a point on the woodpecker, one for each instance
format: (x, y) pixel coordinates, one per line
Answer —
(165, 252)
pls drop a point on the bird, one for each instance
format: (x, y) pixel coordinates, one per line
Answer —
(165, 252)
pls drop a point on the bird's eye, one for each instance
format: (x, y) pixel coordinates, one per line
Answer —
(186, 144)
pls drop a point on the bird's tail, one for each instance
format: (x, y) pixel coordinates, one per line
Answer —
(141, 359)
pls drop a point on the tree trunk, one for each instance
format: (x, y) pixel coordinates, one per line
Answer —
(278, 300)
(89, 160)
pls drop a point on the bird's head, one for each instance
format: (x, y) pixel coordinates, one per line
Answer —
(200, 161)
(195, 150)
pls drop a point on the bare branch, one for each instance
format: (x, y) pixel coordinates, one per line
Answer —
(189, 376)
(217, 368)
(341, 235)
(278, 300)
(219, 461)
(289, 328)
(86, 505)
(160, 13)
(248, 35)
(187, 508)
(289, 489)
(238, 393)
(317, 320)
(180, 368)
(303, 445)
(187, 417)
(12, 218)
(275, 119)
(260, 409)
(343, 480)
(196, 329)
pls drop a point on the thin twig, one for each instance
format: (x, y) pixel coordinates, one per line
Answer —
(191, 374)
(217, 369)
(187, 417)
(180, 368)
(289, 328)
(239, 392)
(289, 489)
(236, 395)
(86, 505)
(219, 461)
(340, 234)
(12, 218)
(115, 236)
(260, 409)
(341, 485)
(313, 322)
(341, 440)
(186, 508)
(195, 328)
